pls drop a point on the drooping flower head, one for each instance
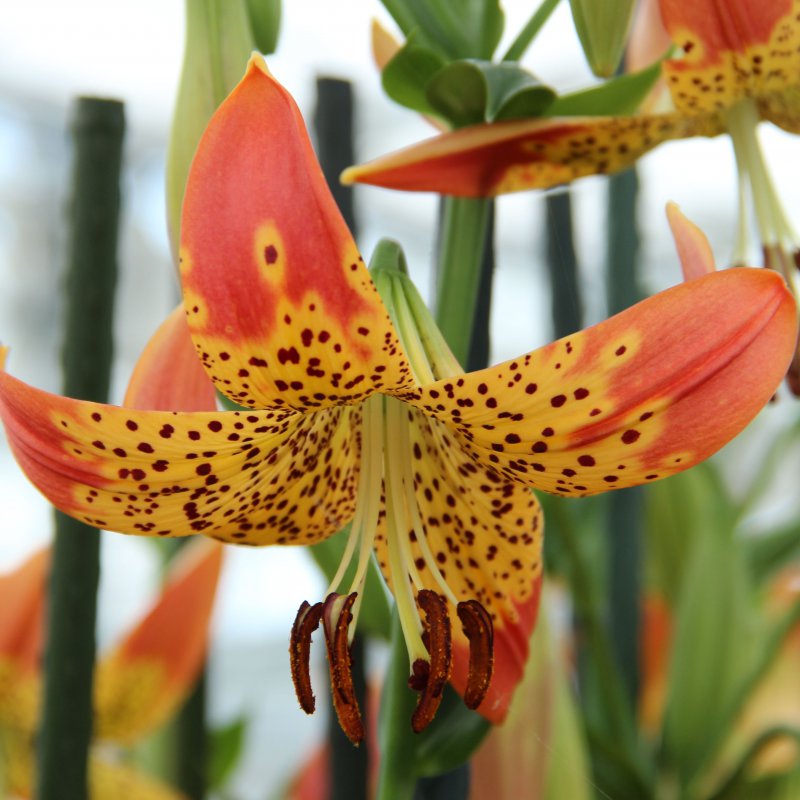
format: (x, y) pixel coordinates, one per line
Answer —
(352, 411)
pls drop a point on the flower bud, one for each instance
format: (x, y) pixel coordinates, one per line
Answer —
(603, 27)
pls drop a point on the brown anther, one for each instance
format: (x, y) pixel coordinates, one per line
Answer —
(793, 376)
(337, 617)
(478, 629)
(429, 678)
(305, 623)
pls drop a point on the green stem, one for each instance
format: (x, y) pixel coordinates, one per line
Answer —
(480, 340)
(530, 31)
(397, 775)
(562, 265)
(461, 247)
(191, 744)
(66, 730)
(626, 507)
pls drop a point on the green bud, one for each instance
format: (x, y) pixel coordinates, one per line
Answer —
(265, 22)
(218, 44)
(603, 27)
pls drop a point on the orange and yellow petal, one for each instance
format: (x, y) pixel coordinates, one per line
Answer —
(115, 780)
(656, 641)
(141, 683)
(643, 395)
(168, 375)
(731, 50)
(280, 305)
(485, 536)
(503, 157)
(22, 595)
(694, 251)
(244, 477)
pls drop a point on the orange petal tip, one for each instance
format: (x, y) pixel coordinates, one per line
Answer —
(694, 251)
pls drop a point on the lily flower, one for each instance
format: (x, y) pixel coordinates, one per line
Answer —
(740, 64)
(139, 684)
(742, 55)
(352, 412)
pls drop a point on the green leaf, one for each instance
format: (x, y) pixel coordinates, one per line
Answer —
(734, 787)
(375, 614)
(616, 97)
(453, 28)
(450, 739)
(468, 92)
(767, 553)
(568, 772)
(712, 653)
(226, 745)
(265, 23)
(405, 77)
(679, 512)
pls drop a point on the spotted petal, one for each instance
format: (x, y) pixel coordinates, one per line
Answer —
(502, 157)
(643, 395)
(236, 476)
(485, 535)
(140, 684)
(733, 50)
(280, 305)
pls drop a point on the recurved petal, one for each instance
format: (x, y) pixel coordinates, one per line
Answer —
(168, 375)
(643, 395)
(485, 536)
(731, 50)
(502, 157)
(141, 682)
(243, 477)
(280, 305)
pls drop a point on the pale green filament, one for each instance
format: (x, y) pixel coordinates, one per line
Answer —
(365, 522)
(399, 550)
(404, 445)
(774, 226)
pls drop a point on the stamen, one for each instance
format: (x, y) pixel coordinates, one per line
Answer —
(399, 556)
(306, 622)
(365, 521)
(430, 677)
(411, 502)
(337, 619)
(478, 629)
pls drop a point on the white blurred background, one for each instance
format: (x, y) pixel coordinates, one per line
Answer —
(51, 51)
